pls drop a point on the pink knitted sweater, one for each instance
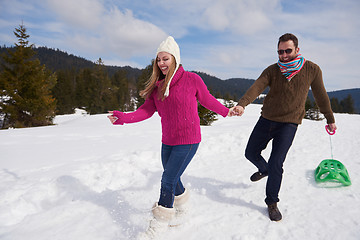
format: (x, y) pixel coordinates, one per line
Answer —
(179, 111)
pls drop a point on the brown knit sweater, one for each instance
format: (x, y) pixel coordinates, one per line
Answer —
(285, 101)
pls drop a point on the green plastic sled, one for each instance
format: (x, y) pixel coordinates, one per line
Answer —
(330, 170)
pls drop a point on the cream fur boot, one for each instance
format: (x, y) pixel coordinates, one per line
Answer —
(160, 222)
(181, 205)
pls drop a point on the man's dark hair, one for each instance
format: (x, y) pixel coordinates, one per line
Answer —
(289, 36)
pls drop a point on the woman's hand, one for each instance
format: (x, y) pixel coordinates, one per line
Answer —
(236, 111)
(112, 118)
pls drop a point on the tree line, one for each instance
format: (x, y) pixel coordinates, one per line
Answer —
(32, 95)
(344, 106)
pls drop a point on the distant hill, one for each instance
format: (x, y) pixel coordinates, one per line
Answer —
(55, 59)
(59, 60)
(341, 94)
(236, 87)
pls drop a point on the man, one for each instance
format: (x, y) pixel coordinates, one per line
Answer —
(289, 81)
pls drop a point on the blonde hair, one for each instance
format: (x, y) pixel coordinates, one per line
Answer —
(155, 76)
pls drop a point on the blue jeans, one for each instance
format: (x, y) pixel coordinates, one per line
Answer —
(174, 159)
(282, 135)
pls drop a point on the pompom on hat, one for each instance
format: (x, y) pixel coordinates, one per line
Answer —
(170, 46)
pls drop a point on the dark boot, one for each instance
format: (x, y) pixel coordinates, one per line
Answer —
(257, 176)
(274, 213)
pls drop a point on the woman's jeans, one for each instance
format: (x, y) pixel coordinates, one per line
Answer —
(174, 160)
(282, 135)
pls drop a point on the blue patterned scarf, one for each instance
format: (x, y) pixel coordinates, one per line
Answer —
(290, 69)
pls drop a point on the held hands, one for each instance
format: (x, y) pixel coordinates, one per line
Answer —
(236, 111)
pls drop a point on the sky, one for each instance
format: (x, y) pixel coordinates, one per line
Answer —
(223, 38)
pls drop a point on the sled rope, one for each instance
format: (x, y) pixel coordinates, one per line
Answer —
(330, 133)
(331, 148)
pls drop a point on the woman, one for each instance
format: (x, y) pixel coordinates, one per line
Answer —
(173, 93)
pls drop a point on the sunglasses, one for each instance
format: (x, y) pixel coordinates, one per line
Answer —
(287, 51)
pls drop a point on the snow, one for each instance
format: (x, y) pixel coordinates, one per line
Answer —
(84, 178)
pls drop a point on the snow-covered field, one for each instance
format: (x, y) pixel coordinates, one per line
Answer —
(86, 179)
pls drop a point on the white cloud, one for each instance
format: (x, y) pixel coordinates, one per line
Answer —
(15, 7)
(335, 60)
(130, 34)
(106, 31)
(233, 16)
(246, 33)
(239, 17)
(226, 38)
(80, 13)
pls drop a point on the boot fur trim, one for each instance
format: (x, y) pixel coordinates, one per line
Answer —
(163, 214)
(182, 199)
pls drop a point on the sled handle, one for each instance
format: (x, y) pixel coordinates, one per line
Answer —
(328, 130)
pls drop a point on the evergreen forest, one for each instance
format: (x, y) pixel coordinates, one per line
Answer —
(38, 83)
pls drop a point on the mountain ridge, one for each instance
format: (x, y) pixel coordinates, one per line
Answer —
(56, 59)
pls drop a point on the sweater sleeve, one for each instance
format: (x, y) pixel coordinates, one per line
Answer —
(144, 112)
(256, 89)
(206, 99)
(321, 97)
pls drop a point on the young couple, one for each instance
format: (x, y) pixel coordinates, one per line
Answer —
(174, 92)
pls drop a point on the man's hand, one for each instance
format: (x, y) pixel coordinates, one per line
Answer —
(236, 111)
(332, 127)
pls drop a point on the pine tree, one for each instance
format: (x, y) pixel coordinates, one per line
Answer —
(94, 91)
(312, 112)
(25, 99)
(121, 88)
(335, 106)
(82, 94)
(106, 92)
(101, 96)
(144, 77)
(347, 105)
(207, 117)
(308, 104)
(64, 92)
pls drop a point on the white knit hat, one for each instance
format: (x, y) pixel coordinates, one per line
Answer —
(170, 46)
